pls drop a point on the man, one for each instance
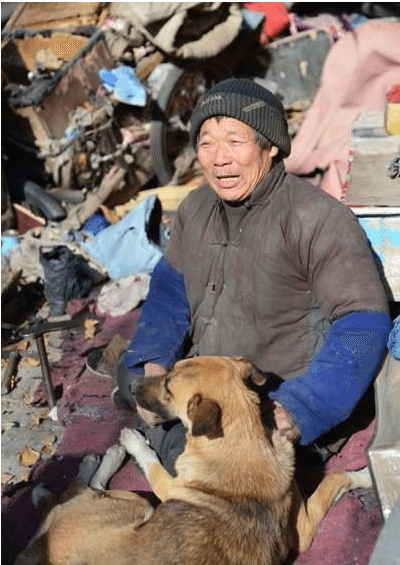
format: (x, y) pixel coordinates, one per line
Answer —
(262, 264)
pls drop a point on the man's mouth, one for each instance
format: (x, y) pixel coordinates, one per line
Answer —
(227, 181)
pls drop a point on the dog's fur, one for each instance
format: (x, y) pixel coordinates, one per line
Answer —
(234, 499)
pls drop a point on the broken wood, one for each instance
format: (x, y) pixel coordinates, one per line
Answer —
(45, 15)
(78, 216)
(9, 372)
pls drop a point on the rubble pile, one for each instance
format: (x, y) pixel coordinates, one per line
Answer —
(96, 101)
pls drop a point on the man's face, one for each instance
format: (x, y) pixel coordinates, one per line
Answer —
(233, 162)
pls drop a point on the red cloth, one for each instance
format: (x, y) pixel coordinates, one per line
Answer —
(276, 18)
(359, 70)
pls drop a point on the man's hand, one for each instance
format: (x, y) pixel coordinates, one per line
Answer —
(285, 423)
(150, 418)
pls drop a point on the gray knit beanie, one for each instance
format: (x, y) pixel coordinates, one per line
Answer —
(249, 102)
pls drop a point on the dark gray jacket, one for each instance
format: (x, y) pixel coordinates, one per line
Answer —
(268, 285)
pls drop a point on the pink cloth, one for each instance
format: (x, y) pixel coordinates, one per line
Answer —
(359, 70)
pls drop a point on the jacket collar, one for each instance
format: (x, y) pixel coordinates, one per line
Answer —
(265, 187)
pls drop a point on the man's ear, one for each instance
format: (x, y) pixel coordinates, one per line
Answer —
(274, 151)
(206, 416)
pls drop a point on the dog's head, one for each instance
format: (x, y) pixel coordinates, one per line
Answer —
(201, 391)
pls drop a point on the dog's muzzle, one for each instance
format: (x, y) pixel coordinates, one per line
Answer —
(146, 396)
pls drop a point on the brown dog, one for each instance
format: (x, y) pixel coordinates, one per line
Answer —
(234, 499)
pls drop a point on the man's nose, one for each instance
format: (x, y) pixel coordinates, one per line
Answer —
(222, 155)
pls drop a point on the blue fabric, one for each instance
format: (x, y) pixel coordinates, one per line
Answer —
(338, 375)
(95, 224)
(124, 248)
(394, 339)
(125, 85)
(164, 321)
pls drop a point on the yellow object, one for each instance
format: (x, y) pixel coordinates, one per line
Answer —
(392, 118)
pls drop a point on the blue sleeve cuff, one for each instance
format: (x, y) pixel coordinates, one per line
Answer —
(164, 321)
(338, 375)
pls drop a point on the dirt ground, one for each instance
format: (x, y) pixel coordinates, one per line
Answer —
(28, 431)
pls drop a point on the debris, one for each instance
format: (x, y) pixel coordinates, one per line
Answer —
(66, 276)
(52, 415)
(169, 195)
(48, 445)
(38, 417)
(103, 362)
(24, 477)
(7, 426)
(139, 236)
(9, 372)
(124, 84)
(6, 478)
(30, 361)
(90, 328)
(28, 457)
(29, 397)
(9, 281)
(123, 295)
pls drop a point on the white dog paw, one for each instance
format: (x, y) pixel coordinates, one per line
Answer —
(116, 453)
(112, 461)
(133, 440)
(137, 446)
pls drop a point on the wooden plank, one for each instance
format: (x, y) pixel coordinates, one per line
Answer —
(33, 128)
(39, 15)
(369, 183)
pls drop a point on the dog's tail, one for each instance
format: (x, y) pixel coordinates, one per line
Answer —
(43, 500)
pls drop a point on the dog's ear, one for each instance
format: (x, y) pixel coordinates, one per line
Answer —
(206, 415)
(251, 371)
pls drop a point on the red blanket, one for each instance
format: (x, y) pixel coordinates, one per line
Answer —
(92, 424)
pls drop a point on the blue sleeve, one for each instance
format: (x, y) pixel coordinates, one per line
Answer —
(338, 375)
(164, 321)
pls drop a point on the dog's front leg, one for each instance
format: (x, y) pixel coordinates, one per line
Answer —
(158, 477)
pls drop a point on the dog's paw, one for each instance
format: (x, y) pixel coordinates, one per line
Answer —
(112, 461)
(88, 467)
(137, 446)
(133, 440)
